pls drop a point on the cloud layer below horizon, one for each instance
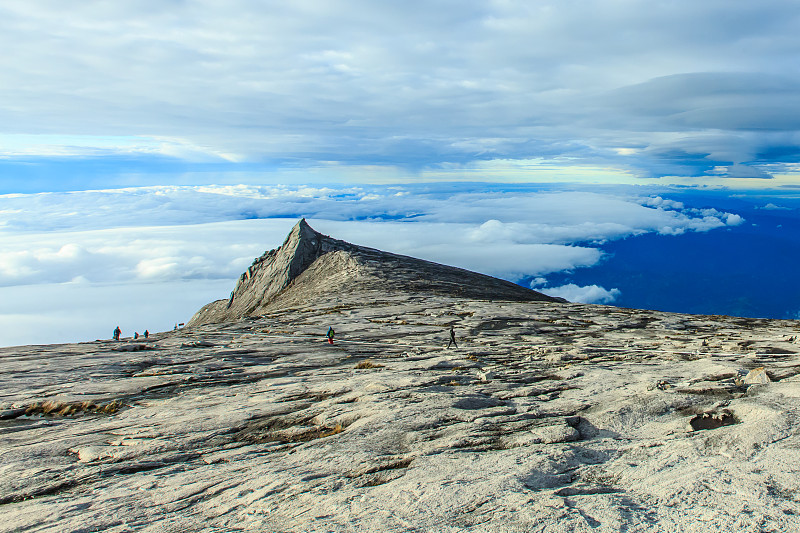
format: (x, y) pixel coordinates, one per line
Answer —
(144, 92)
(76, 243)
(207, 232)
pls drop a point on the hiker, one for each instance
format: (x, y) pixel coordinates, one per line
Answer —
(135, 335)
(452, 338)
(117, 333)
(146, 334)
(330, 335)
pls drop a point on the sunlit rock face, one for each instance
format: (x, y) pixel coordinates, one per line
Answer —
(310, 265)
(544, 415)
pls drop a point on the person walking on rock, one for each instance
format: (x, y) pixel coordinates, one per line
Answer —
(452, 338)
(330, 335)
(146, 334)
(117, 333)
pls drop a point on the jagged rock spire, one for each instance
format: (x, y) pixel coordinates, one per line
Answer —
(309, 265)
(275, 270)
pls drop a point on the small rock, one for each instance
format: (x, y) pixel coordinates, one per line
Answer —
(485, 376)
(9, 414)
(756, 376)
(661, 385)
(197, 344)
(88, 454)
(131, 348)
(477, 402)
(553, 434)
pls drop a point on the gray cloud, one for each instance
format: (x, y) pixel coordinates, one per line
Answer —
(414, 83)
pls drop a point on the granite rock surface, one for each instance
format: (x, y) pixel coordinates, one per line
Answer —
(310, 265)
(547, 416)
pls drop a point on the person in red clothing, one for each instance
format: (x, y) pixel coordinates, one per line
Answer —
(330, 335)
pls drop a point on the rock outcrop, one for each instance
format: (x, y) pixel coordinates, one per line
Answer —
(310, 265)
(546, 417)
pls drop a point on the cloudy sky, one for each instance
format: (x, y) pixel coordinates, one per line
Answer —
(146, 92)
(150, 149)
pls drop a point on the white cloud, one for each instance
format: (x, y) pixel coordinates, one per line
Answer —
(591, 294)
(732, 219)
(406, 84)
(773, 207)
(125, 255)
(80, 311)
(142, 236)
(532, 217)
(212, 232)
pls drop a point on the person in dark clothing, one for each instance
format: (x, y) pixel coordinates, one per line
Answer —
(135, 334)
(452, 338)
(117, 333)
(330, 335)
(146, 334)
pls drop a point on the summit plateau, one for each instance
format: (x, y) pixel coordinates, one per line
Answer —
(547, 416)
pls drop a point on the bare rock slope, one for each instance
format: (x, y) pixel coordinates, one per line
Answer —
(547, 417)
(310, 265)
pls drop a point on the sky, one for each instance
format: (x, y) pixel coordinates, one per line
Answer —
(150, 149)
(103, 94)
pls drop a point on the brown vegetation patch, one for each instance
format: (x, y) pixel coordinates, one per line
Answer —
(367, 363)
(54, 408)
(288, 429)
(313, 396)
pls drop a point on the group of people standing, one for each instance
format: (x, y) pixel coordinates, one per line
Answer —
(118, 332)
(329, 335)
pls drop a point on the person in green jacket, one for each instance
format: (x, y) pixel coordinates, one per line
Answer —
(330, 335)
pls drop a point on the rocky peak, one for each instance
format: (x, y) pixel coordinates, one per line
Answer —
(302, 247)
(276, 269)
(310, 265)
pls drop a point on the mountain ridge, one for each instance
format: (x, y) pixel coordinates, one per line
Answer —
(310, 265)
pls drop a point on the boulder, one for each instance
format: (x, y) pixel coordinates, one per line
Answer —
(757, 376)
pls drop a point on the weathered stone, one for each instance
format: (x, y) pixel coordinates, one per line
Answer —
(477, 402)
(131, 347)
(314, 265)
(261, 425)
(756, 376)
